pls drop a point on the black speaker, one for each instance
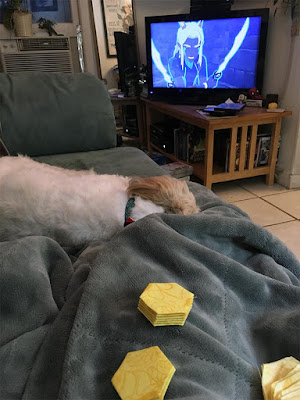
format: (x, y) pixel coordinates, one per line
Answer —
(127, 63)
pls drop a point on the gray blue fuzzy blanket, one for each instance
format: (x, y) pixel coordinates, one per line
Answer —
(68, 319)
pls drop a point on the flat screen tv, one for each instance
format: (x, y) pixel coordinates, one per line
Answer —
(205, 58)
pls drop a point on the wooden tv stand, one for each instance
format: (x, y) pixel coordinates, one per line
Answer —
(246, 122)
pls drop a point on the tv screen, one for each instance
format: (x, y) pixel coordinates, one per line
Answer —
(188, 54)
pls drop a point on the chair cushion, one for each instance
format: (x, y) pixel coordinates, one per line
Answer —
(55, 113)
(125, 161)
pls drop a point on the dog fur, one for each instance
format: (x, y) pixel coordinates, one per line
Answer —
(78, 207)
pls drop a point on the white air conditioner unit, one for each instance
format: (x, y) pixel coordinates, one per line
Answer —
(51, 54)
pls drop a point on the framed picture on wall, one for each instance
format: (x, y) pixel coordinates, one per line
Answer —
(43, 5)
(55, 10)
(118, 17)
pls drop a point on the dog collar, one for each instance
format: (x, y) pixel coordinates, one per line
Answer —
(128, 210)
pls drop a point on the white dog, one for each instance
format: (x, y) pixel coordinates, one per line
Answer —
(77, 207)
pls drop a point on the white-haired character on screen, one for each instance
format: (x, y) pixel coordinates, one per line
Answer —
(188, 66)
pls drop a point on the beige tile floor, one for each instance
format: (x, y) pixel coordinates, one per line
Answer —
(273, 207)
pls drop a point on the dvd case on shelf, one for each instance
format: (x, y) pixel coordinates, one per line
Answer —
(262, 150)
(189, 143)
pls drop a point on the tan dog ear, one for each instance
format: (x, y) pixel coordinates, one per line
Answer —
(147, 188)
(170, 193)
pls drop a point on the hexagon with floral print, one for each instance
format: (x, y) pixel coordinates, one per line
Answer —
(143, 375)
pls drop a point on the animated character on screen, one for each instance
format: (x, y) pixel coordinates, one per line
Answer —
(188, 66)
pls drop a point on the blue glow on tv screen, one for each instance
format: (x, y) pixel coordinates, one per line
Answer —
(207, 54)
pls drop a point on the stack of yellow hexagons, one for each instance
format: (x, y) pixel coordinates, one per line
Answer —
(165, 304)
(144, 374)
(281, 379)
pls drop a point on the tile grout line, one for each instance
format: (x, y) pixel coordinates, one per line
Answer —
(263, 195)
(239, 201)
(267, 195)
(274, 194)
(263, 198)
(247, 190)
(281, 192)
(294, 218)
(280, 223)
(272, 205)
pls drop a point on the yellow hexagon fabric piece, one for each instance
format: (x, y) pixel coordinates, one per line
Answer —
(143, 375)
(165, 304)
(281, 379)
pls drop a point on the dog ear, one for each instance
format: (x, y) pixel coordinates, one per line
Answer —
(147, 188)
(170, 193)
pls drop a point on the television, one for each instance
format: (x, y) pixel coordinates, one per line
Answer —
(205, 58)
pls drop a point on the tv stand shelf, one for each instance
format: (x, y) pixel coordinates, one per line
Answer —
(246, 121)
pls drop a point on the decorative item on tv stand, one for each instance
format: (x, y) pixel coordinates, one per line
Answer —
(17, 16)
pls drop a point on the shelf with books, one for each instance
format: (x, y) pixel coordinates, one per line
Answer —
(262, 149)
(237, 155)
(242, 130)
(189, 143)
(198, 168)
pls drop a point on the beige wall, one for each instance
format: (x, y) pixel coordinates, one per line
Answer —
(282, 66)
(289, 160)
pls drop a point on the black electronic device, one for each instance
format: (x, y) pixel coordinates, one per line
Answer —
(199, 5)
(230, 106)
(219, 113)
(205, 57)
(162, 135)
(165, 144)
(130, 122)
(224, 109)
(127, 63)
